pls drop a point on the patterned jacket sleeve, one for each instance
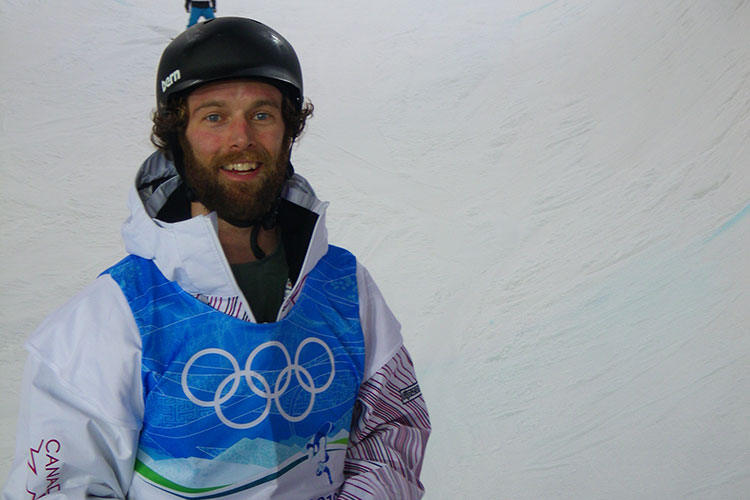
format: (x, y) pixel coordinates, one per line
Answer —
(389, 435)
(391, 425)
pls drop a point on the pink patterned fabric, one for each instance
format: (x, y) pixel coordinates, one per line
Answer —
(389, 435)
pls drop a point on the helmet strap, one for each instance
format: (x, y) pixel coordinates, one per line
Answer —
(254, 246)
(267, 221)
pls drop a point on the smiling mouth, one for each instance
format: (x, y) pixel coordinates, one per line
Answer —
(241, 167)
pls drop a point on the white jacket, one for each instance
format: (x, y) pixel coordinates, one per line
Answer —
(82, 405)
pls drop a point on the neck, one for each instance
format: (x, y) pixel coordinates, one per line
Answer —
(235, 241)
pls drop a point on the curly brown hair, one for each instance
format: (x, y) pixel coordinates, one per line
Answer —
(171, 121)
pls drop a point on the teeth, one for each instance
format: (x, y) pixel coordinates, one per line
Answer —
(240, 167)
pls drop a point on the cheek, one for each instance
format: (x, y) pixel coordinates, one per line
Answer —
(272, 140)
(203, 143)
(271, 143)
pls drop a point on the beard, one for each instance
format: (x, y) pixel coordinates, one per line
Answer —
(239, 203)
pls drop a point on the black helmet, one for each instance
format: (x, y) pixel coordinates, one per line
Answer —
(224, 48)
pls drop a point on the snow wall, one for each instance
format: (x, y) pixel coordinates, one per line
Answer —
(553, 195)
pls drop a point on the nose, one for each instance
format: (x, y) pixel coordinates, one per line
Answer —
(241, 134)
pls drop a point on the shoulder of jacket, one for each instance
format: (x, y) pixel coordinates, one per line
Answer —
(381, 329)
(93, 346)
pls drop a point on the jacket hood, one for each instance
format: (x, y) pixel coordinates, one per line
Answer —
(188, 251)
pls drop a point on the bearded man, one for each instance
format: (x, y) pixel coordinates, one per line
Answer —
(234, 353)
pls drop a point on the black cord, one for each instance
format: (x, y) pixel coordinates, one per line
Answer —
(257, 251)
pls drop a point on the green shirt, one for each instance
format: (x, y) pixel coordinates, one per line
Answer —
(263, 282)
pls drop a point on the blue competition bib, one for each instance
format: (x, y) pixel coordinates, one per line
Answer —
(233, 406)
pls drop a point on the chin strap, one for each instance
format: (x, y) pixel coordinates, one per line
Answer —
(257, 251)
(267, 221)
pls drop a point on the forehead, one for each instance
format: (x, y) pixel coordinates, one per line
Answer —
(249, 90)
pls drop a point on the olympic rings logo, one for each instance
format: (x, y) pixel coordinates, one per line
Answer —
(303, 376)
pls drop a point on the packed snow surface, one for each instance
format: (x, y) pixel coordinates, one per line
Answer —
(553, 195)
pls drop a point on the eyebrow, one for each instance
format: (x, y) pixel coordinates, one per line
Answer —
(220, 104)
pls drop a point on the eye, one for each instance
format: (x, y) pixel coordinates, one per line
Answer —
(212, 117)
(262, 116)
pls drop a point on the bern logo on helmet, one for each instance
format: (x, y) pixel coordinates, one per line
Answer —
(170, 80)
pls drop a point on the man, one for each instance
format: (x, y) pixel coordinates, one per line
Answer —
(198, 9)
(234, 353)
